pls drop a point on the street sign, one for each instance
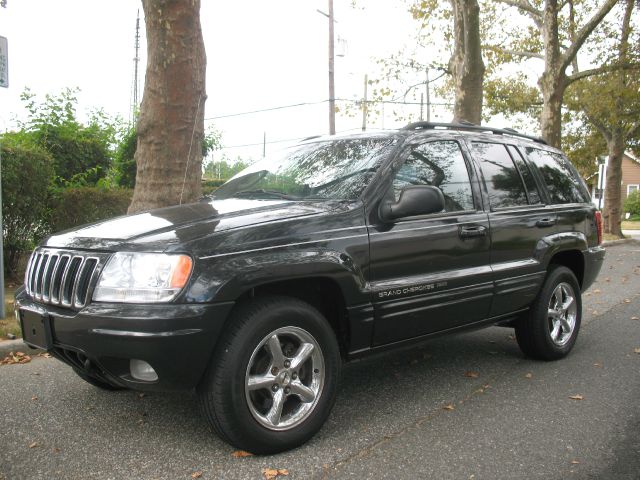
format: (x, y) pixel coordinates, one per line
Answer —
(4, 63)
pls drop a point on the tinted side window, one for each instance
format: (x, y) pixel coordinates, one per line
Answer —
(439, 164)
(529, 182)
(561, 179)
(501, 176)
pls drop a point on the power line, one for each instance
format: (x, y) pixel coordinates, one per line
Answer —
(305, 104)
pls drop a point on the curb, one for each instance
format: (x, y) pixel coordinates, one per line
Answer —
(622, 241)
(7, 346)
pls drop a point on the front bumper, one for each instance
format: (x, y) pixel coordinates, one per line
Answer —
(177, 340)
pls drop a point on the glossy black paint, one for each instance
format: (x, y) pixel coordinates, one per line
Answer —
(398, 280)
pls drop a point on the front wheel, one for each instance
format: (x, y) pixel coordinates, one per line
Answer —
(273, 378)
(551, 327)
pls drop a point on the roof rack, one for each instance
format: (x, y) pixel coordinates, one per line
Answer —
(464, 125)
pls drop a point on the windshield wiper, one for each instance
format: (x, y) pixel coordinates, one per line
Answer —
(270, 193)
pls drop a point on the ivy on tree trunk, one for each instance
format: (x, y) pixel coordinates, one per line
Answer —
(171, 124)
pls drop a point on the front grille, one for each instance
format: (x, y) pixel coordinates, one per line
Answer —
(63, 278)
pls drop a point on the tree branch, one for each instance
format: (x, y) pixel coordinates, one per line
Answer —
(600, 70)
(526, 7)
(584, 33)
(515, 53)
(631, 131)
(599, 126)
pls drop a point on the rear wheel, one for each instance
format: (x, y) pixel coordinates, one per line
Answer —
(551, 327)
(272, 381)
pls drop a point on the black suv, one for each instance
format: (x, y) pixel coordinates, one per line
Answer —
(336, 248)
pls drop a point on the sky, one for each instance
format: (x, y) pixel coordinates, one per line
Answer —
(259, 55)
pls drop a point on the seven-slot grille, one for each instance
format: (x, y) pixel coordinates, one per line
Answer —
(63, 278)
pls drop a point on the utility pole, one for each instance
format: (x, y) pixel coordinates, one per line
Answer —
(365, 105)
(428, 98)
(332, 89)
(264, 144)
(421, 105)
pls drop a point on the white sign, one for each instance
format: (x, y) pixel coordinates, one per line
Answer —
(4, 63)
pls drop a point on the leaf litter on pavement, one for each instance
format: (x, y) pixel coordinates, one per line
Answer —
(15, 358)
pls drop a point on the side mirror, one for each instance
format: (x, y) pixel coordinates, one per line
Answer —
(414, 200)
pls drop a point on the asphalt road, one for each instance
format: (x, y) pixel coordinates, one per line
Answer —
(513, 420)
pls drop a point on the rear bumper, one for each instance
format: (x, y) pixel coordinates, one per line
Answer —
(593, 259)
(101, 339)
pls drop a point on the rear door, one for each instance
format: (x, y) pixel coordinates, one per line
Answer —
(519, 219)
(431, 272)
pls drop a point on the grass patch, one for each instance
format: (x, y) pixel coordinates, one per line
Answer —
(8, 324)
(631, 224)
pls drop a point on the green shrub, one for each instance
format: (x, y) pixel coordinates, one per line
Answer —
(79, 205)
(27, 172)
(210, 186)
(124, 164)
(632, 204)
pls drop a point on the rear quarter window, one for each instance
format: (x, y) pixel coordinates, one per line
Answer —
(560, 176)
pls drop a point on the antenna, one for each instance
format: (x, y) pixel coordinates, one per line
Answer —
(136, 81)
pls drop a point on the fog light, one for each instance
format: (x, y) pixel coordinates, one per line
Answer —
(141, 370)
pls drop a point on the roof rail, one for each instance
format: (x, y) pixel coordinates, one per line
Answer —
(464, 125)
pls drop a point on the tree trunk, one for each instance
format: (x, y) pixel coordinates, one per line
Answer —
(171, 124)
(551, 83)
(612, 214)
(552, 89)
(466, 62)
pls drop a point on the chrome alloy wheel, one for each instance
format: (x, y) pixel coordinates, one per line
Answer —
(562, 314)
(284, 378)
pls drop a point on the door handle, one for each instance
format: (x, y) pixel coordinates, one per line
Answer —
(473, 231)
(546, 222)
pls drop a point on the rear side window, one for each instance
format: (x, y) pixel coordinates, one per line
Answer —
(501, 176)
(527, 176)
(439, 164)
(561, 178)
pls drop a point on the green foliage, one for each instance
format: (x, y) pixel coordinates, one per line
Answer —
(224, 168)
(27, 171)
(583, 144)
(76, 206)
(74, 147)
(124, 163)
(632, 204)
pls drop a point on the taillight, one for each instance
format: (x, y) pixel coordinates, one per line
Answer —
(599, 226)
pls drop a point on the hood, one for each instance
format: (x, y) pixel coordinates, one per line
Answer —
(158, 229)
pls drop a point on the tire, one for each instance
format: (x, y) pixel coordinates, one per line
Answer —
(97, 382)
(551, 328)
(277, 352)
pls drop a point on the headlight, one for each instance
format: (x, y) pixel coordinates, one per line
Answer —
(142, 277)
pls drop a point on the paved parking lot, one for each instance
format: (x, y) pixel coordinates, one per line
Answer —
(507, 416)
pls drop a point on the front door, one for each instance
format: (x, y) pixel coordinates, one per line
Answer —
(432, 272)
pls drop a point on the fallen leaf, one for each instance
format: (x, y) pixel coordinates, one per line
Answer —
(270, 473)
(627, 300)
(597, 364)
(471, 374)
(528, 375)
(597, 290)
(635, 318)
(34, 397)
(197, 474)
(55, 450)
(13, 358)
(141, 395)
(33, 445)
(45, 355)
(449, 407)
(576, 397)
(241, 453)
(574, 462)
(637, 350)
(485, 386)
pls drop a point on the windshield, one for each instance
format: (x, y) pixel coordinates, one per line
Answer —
(334, 169)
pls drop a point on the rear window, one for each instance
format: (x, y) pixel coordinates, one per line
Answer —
(561, 178)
